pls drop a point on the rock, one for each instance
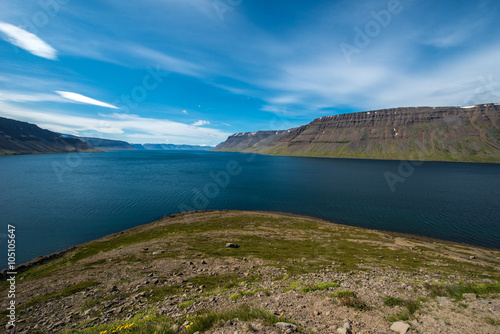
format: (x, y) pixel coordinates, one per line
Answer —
(316, 312)
(347, 325)
(470, 296)
(114, 288)
(175, 328)
(472, 257)
(231, 245)
(203, 262)
(285, 326)
(400, 327)
(343, 330)
(443, 300)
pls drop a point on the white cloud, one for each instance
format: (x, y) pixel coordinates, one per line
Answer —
(131, 128)
(200, 123)
(185, 112)
(27, 41)
(14, 96)
(84, 99)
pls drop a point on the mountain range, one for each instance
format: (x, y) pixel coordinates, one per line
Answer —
(18, 137)
(25, 138)
(469, 133)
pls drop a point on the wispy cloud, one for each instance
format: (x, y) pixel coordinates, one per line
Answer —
(200, 123)
(14, 96)
(27, 41)
(84, 99)
(185, 112)
(132, 128)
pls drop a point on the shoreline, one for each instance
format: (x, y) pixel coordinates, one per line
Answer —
(496, 162)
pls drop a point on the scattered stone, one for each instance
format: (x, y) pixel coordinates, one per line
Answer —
(175, 328)
(343, 330)
(470, 296)
(472, 257)
(443, 300)
(400, 327)
(285, 326)
(231, 245)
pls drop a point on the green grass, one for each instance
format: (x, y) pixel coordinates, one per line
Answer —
(409, 308)
(148, 322)
(393, 301)
(349, 298)
(242, 294)
(343, 293)
(293, 286)
(455, 291)
(319, 287)
(188, 303)
(490, 321)
(63, 293)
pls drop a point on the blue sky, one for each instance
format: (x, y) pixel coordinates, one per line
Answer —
(196, 71)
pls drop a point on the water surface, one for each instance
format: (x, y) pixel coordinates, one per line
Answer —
(60, 200)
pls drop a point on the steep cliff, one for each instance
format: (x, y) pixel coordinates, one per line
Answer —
(250, 140)
(25, 138)
(423, 133)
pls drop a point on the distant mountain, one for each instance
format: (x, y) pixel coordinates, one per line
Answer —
(424, 133)
(105, 144)
(156, 147)
(25, 138)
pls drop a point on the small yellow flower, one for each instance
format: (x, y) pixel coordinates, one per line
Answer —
(281, 314)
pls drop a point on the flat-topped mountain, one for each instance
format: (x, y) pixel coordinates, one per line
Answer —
(420, 133)
(25, 138)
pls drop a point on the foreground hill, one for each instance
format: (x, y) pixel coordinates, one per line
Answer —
(423, 133)
(289, 274)
(25, 138)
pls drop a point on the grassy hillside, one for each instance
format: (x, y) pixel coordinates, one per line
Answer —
(177, 275)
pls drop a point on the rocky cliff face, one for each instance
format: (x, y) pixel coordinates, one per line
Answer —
(422, 133)
(250, 140)
(25, 138)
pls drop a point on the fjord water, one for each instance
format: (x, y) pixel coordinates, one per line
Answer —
(59, 200)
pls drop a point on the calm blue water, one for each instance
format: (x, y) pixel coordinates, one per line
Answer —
(60, 200)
